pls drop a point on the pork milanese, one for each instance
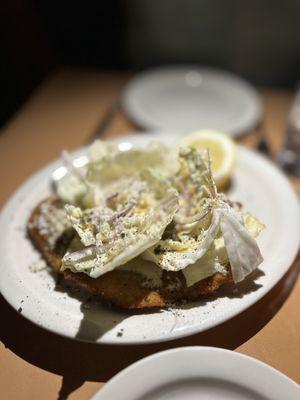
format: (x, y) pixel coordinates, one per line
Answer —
(124, 289)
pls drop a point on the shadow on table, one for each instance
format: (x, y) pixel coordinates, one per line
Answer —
(93, 324)
(78, 362)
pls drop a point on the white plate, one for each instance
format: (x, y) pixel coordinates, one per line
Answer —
(260, 186)
(188, 98)
(199, 373)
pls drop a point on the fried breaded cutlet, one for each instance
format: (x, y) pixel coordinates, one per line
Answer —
(123, 288)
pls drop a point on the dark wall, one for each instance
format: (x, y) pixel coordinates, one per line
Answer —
(257, 39)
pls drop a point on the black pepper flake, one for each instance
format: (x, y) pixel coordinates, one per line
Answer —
(157, 250)
(122, 235)
(20, 309)
(120, 334)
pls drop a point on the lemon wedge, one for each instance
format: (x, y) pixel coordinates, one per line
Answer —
(222, 151)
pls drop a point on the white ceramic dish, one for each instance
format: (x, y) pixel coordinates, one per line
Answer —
(199, 373)
(260, 186)
(189, 98)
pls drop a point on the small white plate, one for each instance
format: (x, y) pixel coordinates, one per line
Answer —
(189, 98)
(199, 373)
(257, 183)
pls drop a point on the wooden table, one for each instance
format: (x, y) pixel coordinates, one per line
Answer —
(35, 364)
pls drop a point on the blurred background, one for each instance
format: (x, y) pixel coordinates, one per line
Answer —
(259, 40)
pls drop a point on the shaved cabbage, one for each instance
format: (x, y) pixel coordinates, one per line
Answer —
(112, 171)
(71, 189)
(216, 258)
(170, 213)
(100, 149)
(204, 215)
(195, 227)
(174, 255)
(118, 164)
(109, 168)
(112, 235)
(205, 267)
(243, 252)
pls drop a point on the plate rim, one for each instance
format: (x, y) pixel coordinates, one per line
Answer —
(204, 352)
(136, 114)
(173, 335)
